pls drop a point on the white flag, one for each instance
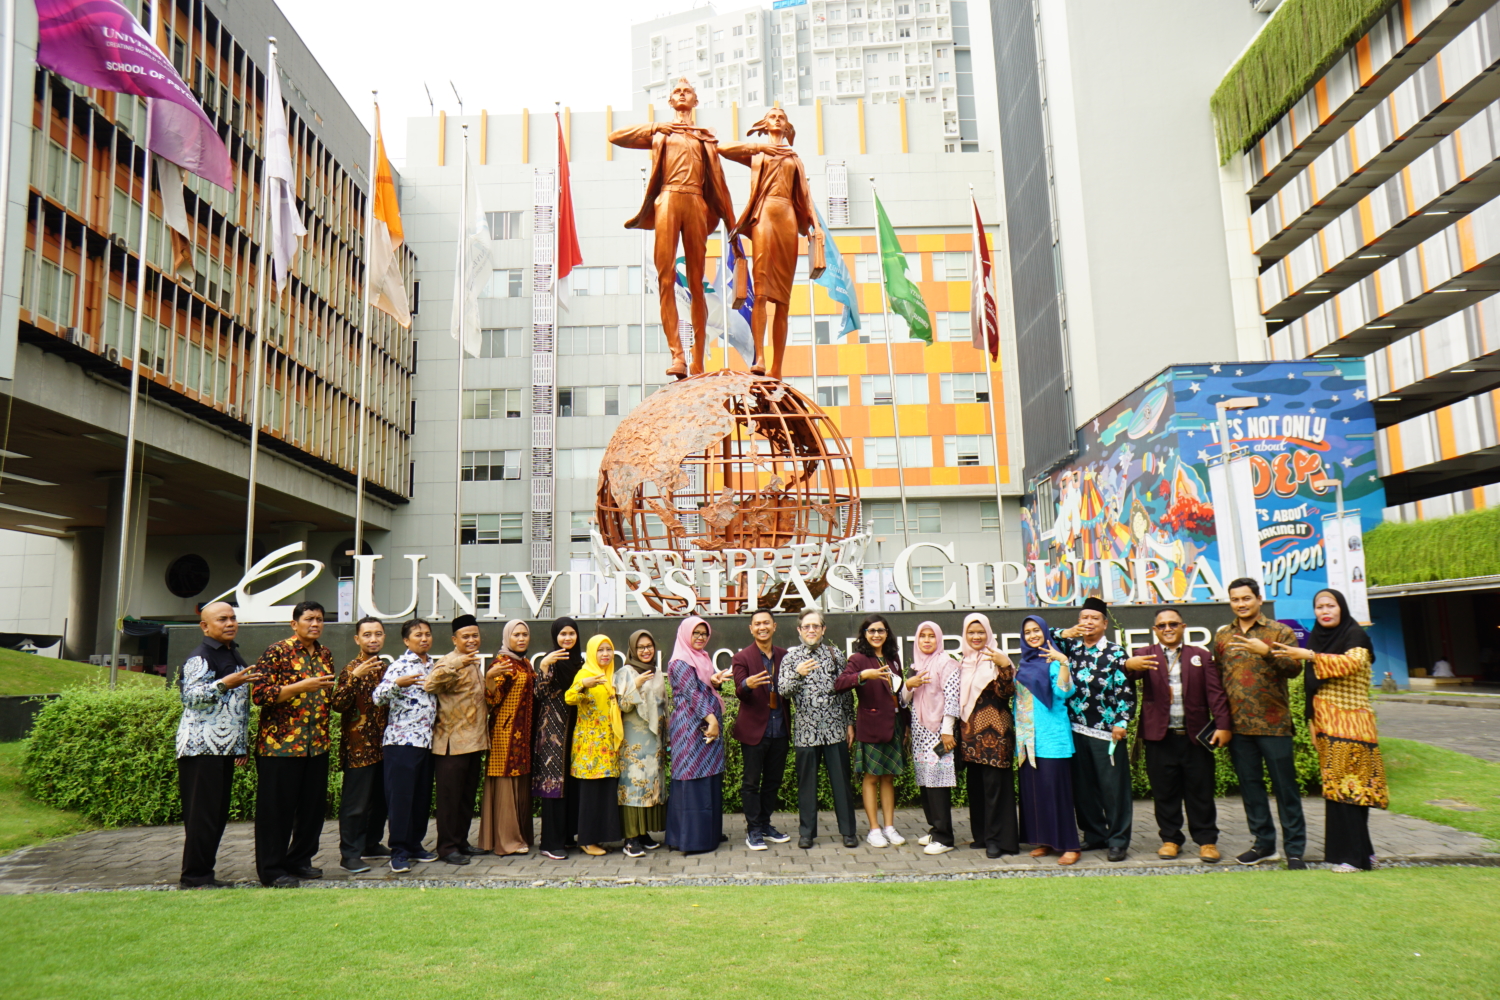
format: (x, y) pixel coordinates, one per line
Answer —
(174, 213)
(286, 221)
(471, 268)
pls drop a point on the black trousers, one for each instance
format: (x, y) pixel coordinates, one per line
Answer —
(1253, 756)
(937, 806)
(559, 821)
(834, 757)
(408, 793)
(1181, 770)
(992, 807)
(1101, 793)
(204, 782)
(1346, 835)
(361, 811)
(457, 777)
(290, 798)
(760, 786)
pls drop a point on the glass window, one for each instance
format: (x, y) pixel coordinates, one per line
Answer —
(504, 225)
(633, 394)
(832, 390)
(594, 281)
(588, 401)
(491, 404)
(798, 328)
(929, 517)
(502, 343)
(950, 266)
(927, 581)
(586, 340)
(579, 463)
(490, 466)
(883, 518)
(968, 449)
(989, 515)
(964, 387)
(504, 283)
(952, 326)
(580, 525)
(880, 452)
(875, 390)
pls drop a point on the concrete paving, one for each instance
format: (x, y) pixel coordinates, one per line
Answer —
(150, 856)
(1468, 730)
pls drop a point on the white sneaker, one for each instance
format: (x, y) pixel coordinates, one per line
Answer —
(876, 839)
(935, 848)
(924, 840)
(1344, 869)
(892, 837)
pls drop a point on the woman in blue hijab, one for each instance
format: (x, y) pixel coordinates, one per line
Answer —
(1044, 745)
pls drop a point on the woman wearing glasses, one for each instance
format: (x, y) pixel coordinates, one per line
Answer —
(822, 727)
(1181, 696)
(874, 672)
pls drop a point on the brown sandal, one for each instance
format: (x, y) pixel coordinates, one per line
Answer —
(1070, 858)
(594, 851)
(1041, 852)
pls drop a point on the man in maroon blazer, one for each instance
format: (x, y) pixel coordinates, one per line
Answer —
(764, 729)
(1182, 694)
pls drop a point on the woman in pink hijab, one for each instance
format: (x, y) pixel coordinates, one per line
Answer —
(987, 739)
(695, 803)
(932, 691)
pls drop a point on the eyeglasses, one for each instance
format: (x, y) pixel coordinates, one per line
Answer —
(876, 631)
(811, 627)
(1167, 626)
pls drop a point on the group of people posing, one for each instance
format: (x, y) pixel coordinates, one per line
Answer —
(1041, 742)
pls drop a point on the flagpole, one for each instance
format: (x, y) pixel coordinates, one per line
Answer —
(126, 491)
(458, 435)
(7, 103)
(977, 276)
(812, 318)
(364, 349)
(644, 264)
(258, 371)
(724, 295)
(890, 366)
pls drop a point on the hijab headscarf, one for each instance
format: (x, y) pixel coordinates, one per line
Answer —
(509, 634)
(564, 671)
(1035, 670)
(604, 697)
(977, 670)
(652, 691)
(1341, 638)
(699, 659)
(935, 668)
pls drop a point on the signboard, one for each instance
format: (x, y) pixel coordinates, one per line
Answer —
(784, 4)
(1140, 515)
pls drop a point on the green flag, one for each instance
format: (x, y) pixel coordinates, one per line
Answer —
(905, 296)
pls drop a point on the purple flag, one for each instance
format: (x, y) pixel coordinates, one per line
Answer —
(100, 44)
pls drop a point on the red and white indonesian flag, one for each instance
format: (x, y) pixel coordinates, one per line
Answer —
(569, 255)
(984, 313)
(286, 221)
(383, 269)
(471, 270)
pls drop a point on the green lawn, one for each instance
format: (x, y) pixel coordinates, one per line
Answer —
(27, 673)
(23, 820)
(1262, 935)
(1419, 773)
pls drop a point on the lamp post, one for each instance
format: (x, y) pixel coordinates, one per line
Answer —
(1223, 407)
(1338, 493)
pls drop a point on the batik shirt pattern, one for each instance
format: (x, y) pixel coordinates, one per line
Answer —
(1103, 694)
(412, 709)
(215, 719)
(297, 727)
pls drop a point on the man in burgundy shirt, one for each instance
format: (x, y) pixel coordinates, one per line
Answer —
(1182, 694)
(763, 728)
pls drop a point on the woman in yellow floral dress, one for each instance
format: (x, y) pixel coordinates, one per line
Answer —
(596, 747)
(1339, 656)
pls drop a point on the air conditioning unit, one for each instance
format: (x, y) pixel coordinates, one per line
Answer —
(78, 338)
(1264, 6)
(113, 354)
(119, 242)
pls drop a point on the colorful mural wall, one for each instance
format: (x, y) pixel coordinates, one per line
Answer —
(1132, 518)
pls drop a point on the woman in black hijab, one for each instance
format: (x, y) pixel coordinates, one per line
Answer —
(553, 739)
(1337, 674)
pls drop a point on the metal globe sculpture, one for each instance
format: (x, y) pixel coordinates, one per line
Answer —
(727, 461)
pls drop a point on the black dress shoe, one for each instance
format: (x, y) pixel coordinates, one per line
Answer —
(377, 851)
(993, 852)
(805, 843)
(976, 845)
(1116, 854)
(851, 841)
(456, 858)
(212, 883)
(1094, 847)
(308, 872)
(474, 852)
(284, 882)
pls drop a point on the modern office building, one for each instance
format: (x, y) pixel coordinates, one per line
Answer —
(75, 234)
(952, 412)
(1368, 205)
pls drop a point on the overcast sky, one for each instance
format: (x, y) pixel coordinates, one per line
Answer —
(502, 56)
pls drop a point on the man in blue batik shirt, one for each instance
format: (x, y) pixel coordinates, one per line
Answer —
(1101, 706)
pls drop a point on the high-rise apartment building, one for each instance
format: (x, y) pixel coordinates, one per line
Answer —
(834, 51)
(72, 265)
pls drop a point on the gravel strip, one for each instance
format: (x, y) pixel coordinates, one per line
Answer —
(723, 880)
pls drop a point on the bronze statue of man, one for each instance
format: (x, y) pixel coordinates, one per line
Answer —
(685, 199)
(780, 210)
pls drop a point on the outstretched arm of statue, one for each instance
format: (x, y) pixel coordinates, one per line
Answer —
(634, 136)
(740, 152)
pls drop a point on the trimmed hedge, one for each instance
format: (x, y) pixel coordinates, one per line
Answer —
(1444, 548)
(1296, 47)
(111, 756)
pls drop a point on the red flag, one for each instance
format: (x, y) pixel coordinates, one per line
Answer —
(984, 314)
(568, 254)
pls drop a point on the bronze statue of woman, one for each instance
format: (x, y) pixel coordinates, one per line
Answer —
(779, 211)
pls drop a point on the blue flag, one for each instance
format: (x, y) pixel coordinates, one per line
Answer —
(838, 281)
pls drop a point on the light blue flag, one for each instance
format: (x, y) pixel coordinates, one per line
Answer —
(837, 279)
(739, 319)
